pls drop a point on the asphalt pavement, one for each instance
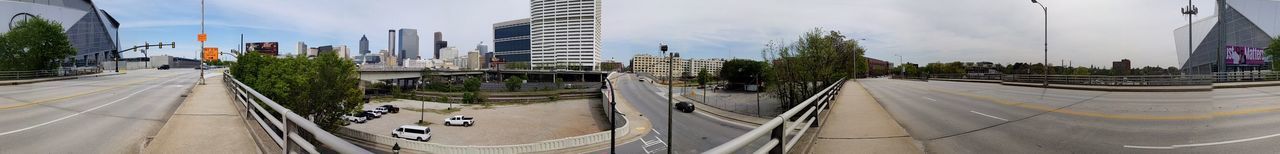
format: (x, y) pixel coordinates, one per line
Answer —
(109, 114)
(963, 117)
(693, 132)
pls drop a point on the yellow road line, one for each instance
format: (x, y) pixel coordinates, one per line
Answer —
(25, 104)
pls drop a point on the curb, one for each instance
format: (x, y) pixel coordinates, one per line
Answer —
(30, 81)
(721, 113)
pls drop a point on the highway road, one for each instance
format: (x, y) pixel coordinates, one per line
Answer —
(693, 132)
(964, 117)
(109, 114)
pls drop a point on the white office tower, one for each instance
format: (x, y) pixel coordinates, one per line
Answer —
(565, 33)
(448, 53)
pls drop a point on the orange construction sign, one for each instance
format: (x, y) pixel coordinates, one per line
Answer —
(202, 37)
(210, 54)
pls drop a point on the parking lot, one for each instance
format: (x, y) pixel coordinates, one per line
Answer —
(494, 125)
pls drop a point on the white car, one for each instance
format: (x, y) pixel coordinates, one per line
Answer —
(354, 119)
(412, 132)
(380, 110)
(460, 121)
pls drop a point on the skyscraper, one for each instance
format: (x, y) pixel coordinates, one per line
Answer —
(364, 49)
(439, 44)
(565, 34)
(364, 45)
(408, 46)
(511, 40)
(391, 42)
(302, 49)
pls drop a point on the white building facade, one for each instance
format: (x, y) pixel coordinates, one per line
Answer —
(565, 33)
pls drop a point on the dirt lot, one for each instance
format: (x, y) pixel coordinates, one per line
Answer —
(495, 125)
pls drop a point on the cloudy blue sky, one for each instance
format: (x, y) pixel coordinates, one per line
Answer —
(1086, 32)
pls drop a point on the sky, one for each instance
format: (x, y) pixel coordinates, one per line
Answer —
(1084, 32)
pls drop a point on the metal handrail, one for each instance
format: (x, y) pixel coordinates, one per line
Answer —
(777, 132)
(288, 136)
(16, 75)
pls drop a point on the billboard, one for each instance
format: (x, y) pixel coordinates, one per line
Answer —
(267, 48)
(1241, 55)
(210, 54)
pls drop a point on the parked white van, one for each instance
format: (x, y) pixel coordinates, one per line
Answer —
(412, 132)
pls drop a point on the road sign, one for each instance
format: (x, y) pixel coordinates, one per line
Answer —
(210, 54)
(202, 37)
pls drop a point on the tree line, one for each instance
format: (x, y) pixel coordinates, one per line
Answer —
(34, 44)
(323, 88)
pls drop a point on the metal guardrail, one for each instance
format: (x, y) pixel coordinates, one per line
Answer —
(1143, 80)
(283, 125)
(780, 127)
(17, 75)
(1246, 76)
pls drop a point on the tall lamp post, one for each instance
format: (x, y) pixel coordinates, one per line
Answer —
(201, 51)
(1046, 42)
(902, 66)
(671, 58)
(1190, 10)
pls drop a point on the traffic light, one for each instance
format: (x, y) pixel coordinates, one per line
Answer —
(146, 45)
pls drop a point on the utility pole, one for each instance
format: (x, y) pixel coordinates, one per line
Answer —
(200, 77)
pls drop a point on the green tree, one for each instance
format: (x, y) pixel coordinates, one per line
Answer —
(805, 67)
(334, 89)
(514, 83)
(703, 77)
(1080, 71)
(742, 71)
(471, 85)
(34, 44)
(1273, 52)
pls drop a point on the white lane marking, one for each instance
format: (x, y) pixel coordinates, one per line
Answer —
(649, 143)
(655, 131)
(930, 99)
(30, 90)
(1202, 144)
(980, 113)
(90, 109)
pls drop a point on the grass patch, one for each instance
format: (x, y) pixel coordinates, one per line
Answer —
(382, 99)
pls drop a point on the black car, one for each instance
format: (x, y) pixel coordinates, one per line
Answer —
(685, 107)
(163, 67)
(370, 114)
(391, 109)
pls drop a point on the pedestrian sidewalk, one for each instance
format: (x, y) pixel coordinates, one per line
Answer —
(208, 121)
(856, 123)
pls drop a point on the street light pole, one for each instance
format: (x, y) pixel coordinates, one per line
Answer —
(901, 66)
(1190, 11)
(1046, 42)
(670, 102)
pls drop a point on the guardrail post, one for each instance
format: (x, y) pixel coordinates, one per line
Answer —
(778, 133)
(285, 128)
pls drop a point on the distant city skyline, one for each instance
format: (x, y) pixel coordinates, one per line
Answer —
(921, 31)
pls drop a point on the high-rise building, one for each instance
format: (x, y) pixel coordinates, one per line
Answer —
(91, 31)
(439, 43)
(448, 53)
(511, 40)
(474, 60)
(302, 48)
(565, 33)
(408, 46)
(364, 45)
(391, 41)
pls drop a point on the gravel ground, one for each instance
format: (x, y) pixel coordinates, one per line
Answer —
(497, 125)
